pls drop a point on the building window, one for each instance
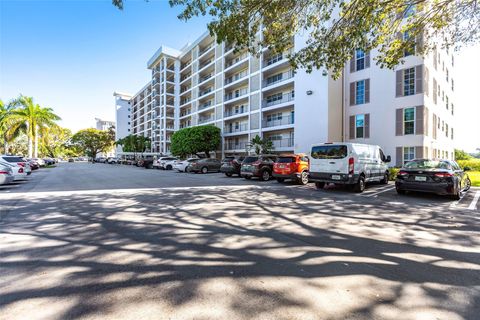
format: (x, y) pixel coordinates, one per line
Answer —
(451, 135)
(274, 116)
(274, 78)
(452, 85)
(409, 121)
(360, 92)
(408, 154)
(128, 123)
(446, 102)
(359, 60)
(129, 116)
(360, 126)
(410, 48)
(274, 97)
(446, 130)
(446, 74)
(409, 82)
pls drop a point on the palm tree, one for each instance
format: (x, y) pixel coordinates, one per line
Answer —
(30, 118)
(5, 111)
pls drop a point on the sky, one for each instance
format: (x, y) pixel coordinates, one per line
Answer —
(72, 55)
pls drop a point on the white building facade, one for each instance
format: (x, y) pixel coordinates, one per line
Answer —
(122, 117)
(409, 111)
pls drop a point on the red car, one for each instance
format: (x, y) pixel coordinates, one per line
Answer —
(293, 167)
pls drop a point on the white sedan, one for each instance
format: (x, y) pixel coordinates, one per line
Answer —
(19, 172)
(182, 166)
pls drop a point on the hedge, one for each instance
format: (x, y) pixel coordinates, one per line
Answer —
(474, 164)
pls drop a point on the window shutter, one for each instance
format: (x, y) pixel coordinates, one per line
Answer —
(352, 64)
(419, 114)
(419, 79)
(419, 44)
(367, 125)
(399, 156)
(434, 91)
(434, 129)
(367, 90)
(426, 117)
(399, 83)
(352, 127)
(425, 152)
(434, 53)
(352, 93)
(426, 81)
(399, 122)
(418, 152)
(367, 59)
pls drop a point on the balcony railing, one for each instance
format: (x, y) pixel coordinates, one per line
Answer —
(170, 127)
(184, 101)
(205, 78)
(202, 51)
(236, 77)
(286, 97)
(231, 62)
(278, 122)
(278, 78)
(207, 119)
(185, 113)
(205, 105)
(185, 89)
(236, 94)
(204, 92)
(276, 57)
(236, 128)
(184, 65)
(231, 145)
(233, 112)
(283, 143)
(205, 63)
(185, 77)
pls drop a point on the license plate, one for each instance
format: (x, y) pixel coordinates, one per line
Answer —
(417, 178)
(335, 177)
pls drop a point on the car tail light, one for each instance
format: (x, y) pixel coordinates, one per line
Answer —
(20, 170)
(21, 164)
(3, 172)
(351, 165)
(443, 175)
(402, 173)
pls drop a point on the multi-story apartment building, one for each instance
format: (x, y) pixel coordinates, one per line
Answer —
(122, 117)
(103, 124)
(408, 111)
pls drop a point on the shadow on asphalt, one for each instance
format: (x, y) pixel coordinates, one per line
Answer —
(178, 242)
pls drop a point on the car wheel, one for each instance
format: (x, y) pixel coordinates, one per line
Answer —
(266, 175)
(169, 167)
(150, 166)
(228, 174)
(458, 192)
(204, 170)
(400, 191)
(468, 184)
(360, 185)
(303, 178)
(385, 178)
(319, 185)
(280, 180)
(247, 177)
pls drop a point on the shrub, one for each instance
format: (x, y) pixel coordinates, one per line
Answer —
(474, 164)
(393, 173)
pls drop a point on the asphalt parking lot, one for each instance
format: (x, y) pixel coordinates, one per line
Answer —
(97, 241)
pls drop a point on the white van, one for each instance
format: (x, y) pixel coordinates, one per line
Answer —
(347, 163)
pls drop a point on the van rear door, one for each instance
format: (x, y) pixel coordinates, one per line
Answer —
(329, 158)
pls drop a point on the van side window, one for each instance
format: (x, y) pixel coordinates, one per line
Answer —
(382, 155)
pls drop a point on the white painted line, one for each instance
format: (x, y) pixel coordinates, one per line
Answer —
(473, 204)
(378, 192)
(455, 203)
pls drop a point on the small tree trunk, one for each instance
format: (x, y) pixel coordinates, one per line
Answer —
(36, 142)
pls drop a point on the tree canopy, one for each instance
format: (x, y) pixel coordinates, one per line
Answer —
(260, 145)
(134, 143)
(194, 140)
(92, 141)
(334, 29)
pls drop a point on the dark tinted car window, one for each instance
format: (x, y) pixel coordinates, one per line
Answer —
(329, 152)
(428, 164)
(14, 159)
(286, 160)
(228, 159)
(250, 159)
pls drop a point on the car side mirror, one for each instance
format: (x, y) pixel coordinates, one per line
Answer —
(467, 169)
(388, 159)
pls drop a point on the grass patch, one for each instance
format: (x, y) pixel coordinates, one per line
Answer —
(474, 178)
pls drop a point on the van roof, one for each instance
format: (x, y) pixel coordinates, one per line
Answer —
(343, 143)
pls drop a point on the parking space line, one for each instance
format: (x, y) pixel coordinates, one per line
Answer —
(373, 194)
(473, 204)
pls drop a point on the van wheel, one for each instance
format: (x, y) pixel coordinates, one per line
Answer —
(385, 178)
(204, 170)
(303, 180)
(266, 175)
(280, 180)
(360, 185)
(169, 167)
(319, 185)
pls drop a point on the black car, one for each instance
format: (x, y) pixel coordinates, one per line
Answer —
(205, 165)
(231, 165)
(444, 177)
(258, 166)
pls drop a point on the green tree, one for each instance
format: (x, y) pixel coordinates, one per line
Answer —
(462, 155)
(5, 111)
(54, 141)
(336, 28)
(134, 143)
(194, 140)
(260, 146)
(30, 118)
(91, 141)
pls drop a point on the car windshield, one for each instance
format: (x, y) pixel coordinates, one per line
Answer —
(250, 159)
(192, 160)
(14, 159)
(286, 160)
(428, 164)
(329, 152)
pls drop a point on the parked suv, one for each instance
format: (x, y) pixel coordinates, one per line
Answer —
(352, 164)
(161, 163)
(292, 166)
(205, 165)
(231, 165)
(258, 166)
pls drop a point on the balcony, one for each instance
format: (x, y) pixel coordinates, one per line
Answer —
(276, 58)
(277, 78)
(205, 78)
(236, 128)
(206, 119)
(278, 99)
(278, 122)
(231, 145)
(204, 92)
(205, 105)
(236, 94)
(208, 47)
(205, 63)
(236, 77)
(234, 112)
(185, 113)
(233, 61)
(185, 77)
(169, 127)
(282, 143)
(185, 101)
(184, 65)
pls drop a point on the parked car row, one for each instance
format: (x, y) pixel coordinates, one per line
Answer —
(348, 164)
(14, 168)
